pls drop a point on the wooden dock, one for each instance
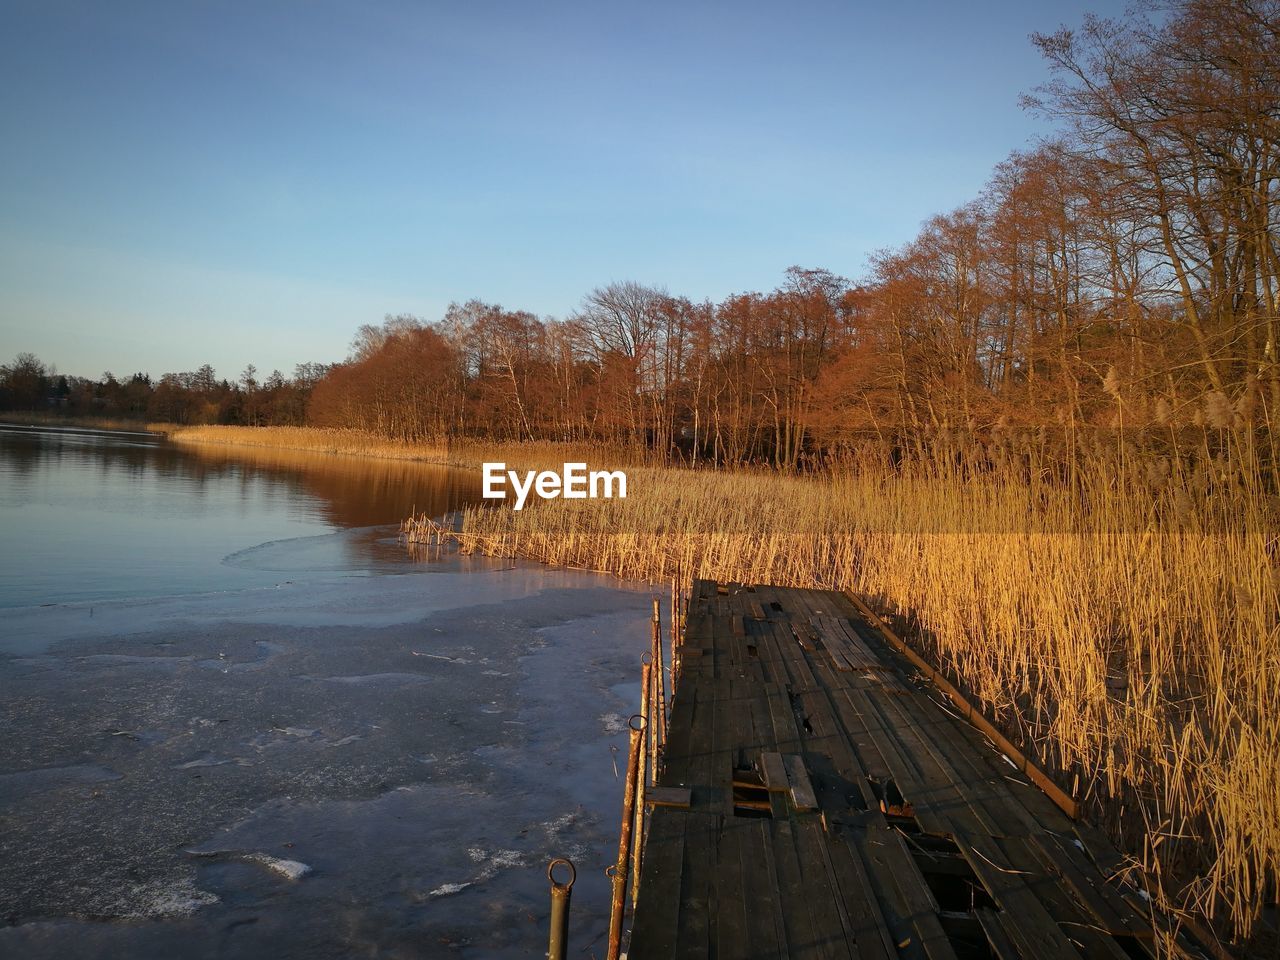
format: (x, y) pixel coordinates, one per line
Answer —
(817, 798)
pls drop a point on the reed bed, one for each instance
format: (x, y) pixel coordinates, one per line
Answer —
(1120, 617)
(466, 453)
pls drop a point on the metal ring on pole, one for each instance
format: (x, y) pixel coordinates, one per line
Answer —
(632, 723)
(573, 874)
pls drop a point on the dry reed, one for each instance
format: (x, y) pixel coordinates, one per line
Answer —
(466, 453)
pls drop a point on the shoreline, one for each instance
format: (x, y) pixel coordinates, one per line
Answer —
(350, 442)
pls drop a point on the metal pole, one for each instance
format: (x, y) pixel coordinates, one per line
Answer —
(650, 723)
(619, 870)
(675, 632)
(558, 946)
(661, 711)
(637, 835)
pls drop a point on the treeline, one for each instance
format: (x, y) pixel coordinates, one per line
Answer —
(1126, 273)
(29, 385)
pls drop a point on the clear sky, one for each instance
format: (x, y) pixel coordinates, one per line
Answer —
(247, 182)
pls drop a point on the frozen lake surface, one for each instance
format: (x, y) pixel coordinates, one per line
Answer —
(351, 755)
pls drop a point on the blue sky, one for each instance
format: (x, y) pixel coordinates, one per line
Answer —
(247, 182)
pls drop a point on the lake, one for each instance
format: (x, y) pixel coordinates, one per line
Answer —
(91, 515)
(240, 719)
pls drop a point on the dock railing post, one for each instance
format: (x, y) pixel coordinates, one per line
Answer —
(558, 943)
(619, 871)
(660, 711)
(650, 722)
(675, 630)
(637, 830)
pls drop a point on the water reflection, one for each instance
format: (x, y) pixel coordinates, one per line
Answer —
(347, 491)
(87, 515)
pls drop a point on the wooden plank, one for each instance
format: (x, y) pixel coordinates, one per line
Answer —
(654, 930)
(910, 910)
(723, 744)
(998, 940)
(811, 844)
(871, 936)
(1023, 917)
(804, 635)
(799, 671)
(697, 893)
(833, 645)
(1075, 921)
(802, 794)
(668, 797)
(757, 611)
(700, 770)
(1059, 796)
(805, 907)
(769, 863)
(835, 639)
(786, 736)
(766, 932)
(930, 811)
(775, 774)
(857, 644)
(925, 779)
(678, 755)
(732, 934)
(1089, 887)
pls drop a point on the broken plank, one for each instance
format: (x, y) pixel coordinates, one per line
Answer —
(802, 794)
(775, 773)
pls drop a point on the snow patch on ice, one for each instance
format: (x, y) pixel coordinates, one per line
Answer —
(446, 889)
(565, 833)
(289, 869)
(491, 861)
(161, 899)
(496, 860)
(613, 723)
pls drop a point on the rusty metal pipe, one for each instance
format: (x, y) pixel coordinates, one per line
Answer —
(619, 871)
(675, 632)
(637, 830)
(650, 725)
(661, 703)
(558, 944)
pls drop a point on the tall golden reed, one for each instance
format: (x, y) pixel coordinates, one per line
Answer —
(467, 453)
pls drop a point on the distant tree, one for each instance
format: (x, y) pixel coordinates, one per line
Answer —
(205, 381)
(370, 338)
(24, 383)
